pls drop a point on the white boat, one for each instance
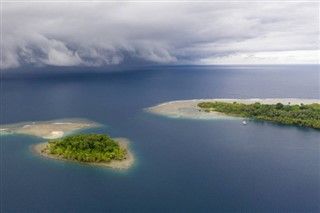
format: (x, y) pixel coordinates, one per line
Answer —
(244, 122)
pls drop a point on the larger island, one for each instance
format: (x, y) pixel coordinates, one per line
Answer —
(303, 112)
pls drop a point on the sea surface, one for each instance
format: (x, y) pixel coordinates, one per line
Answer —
(181, 165)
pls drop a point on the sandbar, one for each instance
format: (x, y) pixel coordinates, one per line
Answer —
(189, 108)
(48, 129)
(114, 164)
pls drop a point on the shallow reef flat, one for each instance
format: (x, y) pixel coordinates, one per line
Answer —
(48, 129)
(189, 108)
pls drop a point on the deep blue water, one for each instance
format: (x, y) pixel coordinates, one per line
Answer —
(182, 165)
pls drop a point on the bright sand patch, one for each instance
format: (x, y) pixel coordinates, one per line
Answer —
(47, 129)
(54, 134)
(114, 164)
(189, 108)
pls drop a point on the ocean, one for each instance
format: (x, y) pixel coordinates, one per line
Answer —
(182, 165)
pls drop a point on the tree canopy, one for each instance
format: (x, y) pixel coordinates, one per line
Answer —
(302, 115)
(87, 148)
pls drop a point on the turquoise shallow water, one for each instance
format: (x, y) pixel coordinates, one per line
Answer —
(182, 165)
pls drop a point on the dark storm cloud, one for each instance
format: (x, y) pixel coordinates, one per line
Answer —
(97, 34)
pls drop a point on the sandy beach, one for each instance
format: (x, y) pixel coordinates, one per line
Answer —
(189, 109)
(114, 164)
(48, 129)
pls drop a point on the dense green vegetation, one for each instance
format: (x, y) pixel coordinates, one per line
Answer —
(302, 115)
(87, 148)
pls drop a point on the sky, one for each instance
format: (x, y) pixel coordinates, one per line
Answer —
(96, 34)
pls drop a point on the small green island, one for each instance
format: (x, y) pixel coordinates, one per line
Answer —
(91, 149)
(302, 115)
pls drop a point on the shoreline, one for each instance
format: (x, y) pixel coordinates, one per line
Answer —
(188, 109)
(114, 164)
